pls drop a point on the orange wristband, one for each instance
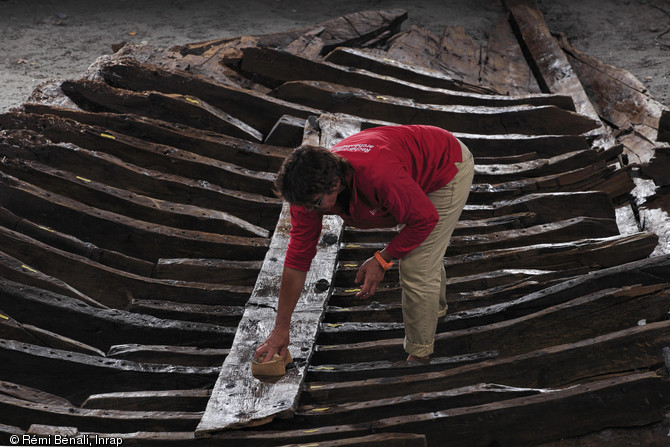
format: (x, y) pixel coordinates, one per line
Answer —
(385, 265)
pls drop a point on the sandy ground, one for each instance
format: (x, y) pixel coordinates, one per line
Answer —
(42, 40)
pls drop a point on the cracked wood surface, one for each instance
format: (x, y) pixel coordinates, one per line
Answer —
(239, 399)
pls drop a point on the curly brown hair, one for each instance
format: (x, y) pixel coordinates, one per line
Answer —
(308, 171)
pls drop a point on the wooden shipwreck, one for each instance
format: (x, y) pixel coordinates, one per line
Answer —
(141, 245)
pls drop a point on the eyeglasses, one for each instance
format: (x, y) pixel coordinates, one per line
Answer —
(317, 204)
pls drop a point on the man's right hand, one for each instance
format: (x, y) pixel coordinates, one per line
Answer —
(276, 343)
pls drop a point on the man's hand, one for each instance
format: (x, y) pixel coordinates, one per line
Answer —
(371, 273)
(276, 343)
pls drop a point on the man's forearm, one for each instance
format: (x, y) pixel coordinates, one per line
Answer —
(292, 284)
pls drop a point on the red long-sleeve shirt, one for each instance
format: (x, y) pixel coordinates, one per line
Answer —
(394, 167)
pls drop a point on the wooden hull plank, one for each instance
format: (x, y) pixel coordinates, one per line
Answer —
(243, 273)
(82, 375)
(138, 239)
(386, 66)
(25, 414)
(261, 111)
(527, 120)
(280, 66)
(164, 158)
(186, 400)
(555, 366)
(253, 208)
(97, 96)
(103, 328)
(238, 398)
(263, 157)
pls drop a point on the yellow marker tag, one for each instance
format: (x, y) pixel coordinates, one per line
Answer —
(83, 179)
(334, 325)
(4, 317)
(384, 98)
(327, 368)
(352, 290)
(353, 246)
(314, 430)
(28, 268)
(351, 265)
(192, 100)
(344, 309)
(316, 387)
(321, 409)
(46, 228)
(106, 135)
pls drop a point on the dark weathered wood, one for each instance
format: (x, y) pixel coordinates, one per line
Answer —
(549, 207)
(357, 412)
(103, 328)
(97, 96)
(348, 30)
(24, 413)
(170, 355)
(386, 66)
(31, 394)
(57, 341)
(618, 97)
(527, 120)
(253, 208)
(556, 366)
(548, 62)
(260, 111)
(135, 238)
(73, 245)
(637, 399)
(287, 131)
(206, 313)
(83, 375)
(242, 273)
(505, 145)
(136, 206)
(504, 65)
(263, 157)
(664, 126)
(168, 159)
(185, 400)
(555, 232)
(280, 66)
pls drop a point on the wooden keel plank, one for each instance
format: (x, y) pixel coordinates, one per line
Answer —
(238, 398)
(103, 328)
(527, 120)
(264, 157)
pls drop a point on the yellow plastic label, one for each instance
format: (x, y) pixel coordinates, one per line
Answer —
(83, 179)
(106, 135)
(352, 290)
(334, 325)
(28, 268)
(316, 387)
(46, 228)
(192, 100)
(314, 430)
(321, 409)
(4, 317)
(328, 368)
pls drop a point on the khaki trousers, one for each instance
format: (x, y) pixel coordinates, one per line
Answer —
(422, 276)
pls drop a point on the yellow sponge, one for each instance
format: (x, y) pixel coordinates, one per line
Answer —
(275, 367)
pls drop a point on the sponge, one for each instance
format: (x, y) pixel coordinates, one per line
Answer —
(275, 367)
